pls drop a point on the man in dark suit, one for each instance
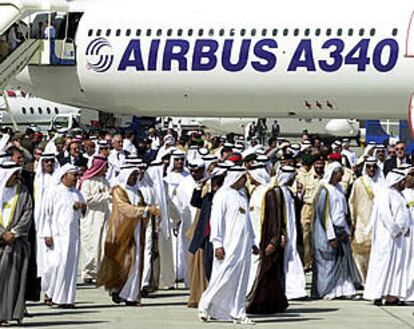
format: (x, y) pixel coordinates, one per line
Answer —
(75, 157)
(398, 159)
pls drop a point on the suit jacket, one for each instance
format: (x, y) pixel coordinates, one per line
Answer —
(391, 164)
(81, 161)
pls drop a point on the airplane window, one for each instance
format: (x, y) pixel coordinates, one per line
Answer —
(138, 33)
(169, 32)
(372, 32)
(394, 32)
(264, 32)
(31, 110)
(128, 32)
(232, 32)
(350, 32)
(242, 32)
(339, 32)
(285, 32)
(361, 32)
(253, 32)
(180, 32)
(274, 32)
(98, 32)
(90, 32)
(221, 32)
(200, 32)
(108, 32)
(318, 32)
(307, 32)
(159, 32)
(148, 32)
(118, 32)
(56, 110)
(328, 32)
(24, 110)
(190, 32)
(211, 32)
(40, 110)
(296, 32)
(48, 110)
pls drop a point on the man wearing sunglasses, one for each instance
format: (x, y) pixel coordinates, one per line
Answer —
(398, 160)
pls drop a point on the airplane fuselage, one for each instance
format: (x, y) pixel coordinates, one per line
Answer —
(344, 59)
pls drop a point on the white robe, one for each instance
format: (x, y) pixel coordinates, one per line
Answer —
(115, 161)
(390, 220)
(409, 242)
(187, 215)
(167, 277)
(93, 226)
(173, 180)
(64, 224)
(337, 216)
(43, 185)
(256, 204)
(294, 274)
(231, 228)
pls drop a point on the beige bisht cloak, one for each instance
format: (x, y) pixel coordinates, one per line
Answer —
(120, 244)
(360, 205)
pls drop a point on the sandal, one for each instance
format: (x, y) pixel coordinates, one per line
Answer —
(244, 321)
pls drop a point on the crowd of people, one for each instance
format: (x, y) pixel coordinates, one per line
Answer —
(237, 222)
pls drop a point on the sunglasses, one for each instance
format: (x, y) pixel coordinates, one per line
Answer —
(49, 160)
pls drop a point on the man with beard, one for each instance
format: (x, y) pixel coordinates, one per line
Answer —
(15, 222)
(121, 270)
(390, 221)
(334, 270)
(44, 184)
(233, 240)
(361, 200)
(310, 187)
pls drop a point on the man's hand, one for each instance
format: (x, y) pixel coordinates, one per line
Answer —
(270, 249)
(9, 237)
(79, 206)
(154, 210)
(332, 243)
(255, 250)
(219, 253)
(49, 242)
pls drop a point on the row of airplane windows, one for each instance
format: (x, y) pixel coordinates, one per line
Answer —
(243, 32)
(48, 110)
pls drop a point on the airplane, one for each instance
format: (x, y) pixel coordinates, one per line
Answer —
(21, 110)
(233, 58)
(340, 128)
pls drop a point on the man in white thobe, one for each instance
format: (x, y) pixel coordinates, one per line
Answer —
(176, 173)
(64, 211)
(261, 181)
(294, 273)
(116, 159)
(97, 194)
(390, 222)
(166, 277)
(43, 185)
(409, 239)
(233, 241)
(187, 214)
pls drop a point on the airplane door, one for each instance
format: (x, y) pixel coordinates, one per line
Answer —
(410, 38)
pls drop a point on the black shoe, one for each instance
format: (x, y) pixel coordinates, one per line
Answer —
(396, 302)
(88, 282)
(378, 302)
(136, 304)
(115, 298)
(66, 306)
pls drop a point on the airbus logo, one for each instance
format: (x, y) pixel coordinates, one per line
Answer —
(99, 54)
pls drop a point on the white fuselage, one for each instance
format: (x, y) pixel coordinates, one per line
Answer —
(32, 111)
(333, 59)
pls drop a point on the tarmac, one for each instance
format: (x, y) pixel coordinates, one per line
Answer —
(168, 310)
